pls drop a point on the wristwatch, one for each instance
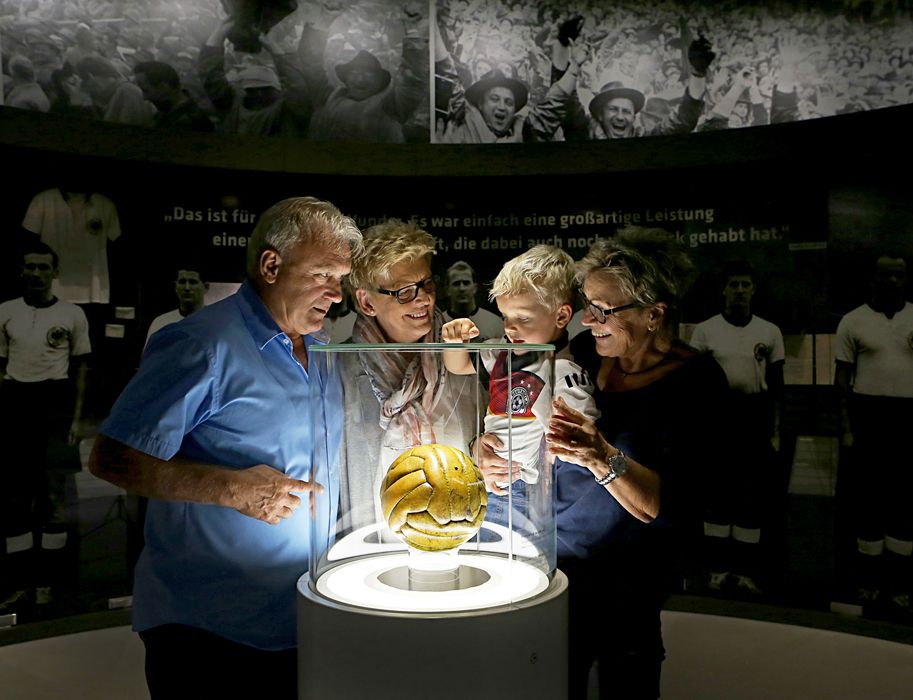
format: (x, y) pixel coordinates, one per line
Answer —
(618, 466)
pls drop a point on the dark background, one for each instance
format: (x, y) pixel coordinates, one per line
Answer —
(832, 181)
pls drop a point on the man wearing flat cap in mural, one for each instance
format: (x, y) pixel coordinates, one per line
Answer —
(370, 103)
(614, 109)
(655, 111)
(492, 109)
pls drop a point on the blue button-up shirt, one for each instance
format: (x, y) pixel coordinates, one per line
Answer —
(221, 386)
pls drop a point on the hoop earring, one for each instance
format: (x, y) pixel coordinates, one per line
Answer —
(651, 329)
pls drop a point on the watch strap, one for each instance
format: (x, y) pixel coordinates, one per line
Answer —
(612, 474)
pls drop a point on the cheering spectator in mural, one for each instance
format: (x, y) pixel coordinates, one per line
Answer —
(85, 46)
(613, 111)
(785, 99)
(741, 105)
(370, 104)
(493, 109)
(271, 98)
(669, 83)
(45, 51)
(185, 63)
(23, 90)
(70, 100)
(116, 98)
(161, 86)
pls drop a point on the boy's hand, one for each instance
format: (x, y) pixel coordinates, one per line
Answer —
(459, 330)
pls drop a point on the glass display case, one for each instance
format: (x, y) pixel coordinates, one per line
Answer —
(405, 530)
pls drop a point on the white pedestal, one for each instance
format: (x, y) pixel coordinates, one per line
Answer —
(351, 652)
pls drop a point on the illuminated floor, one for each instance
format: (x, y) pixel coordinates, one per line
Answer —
(709, 658)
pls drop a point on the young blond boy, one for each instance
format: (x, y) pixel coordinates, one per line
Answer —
(534, 293)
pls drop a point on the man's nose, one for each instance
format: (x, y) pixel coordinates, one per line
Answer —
(334, 290)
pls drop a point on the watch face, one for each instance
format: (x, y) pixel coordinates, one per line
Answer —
(618, 464)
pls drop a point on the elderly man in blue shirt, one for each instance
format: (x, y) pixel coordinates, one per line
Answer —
(215, 429)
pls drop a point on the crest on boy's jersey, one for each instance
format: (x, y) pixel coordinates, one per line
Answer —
(515, 393)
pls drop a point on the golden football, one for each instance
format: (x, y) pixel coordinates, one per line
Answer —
(433, 497)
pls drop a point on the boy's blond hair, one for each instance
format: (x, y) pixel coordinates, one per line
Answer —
(544, 271)
(386, 245)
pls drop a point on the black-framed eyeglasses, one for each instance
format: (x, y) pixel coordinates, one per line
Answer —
(406, 294)
(601, 314)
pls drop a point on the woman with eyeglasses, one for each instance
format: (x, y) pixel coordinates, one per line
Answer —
(630, 485)
(402, 399)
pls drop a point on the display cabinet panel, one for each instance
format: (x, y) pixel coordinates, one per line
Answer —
(406, 520)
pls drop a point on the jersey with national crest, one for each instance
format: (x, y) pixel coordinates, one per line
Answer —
(520, 400)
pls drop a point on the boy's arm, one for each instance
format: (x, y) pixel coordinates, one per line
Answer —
(573, 384)
(460, 330)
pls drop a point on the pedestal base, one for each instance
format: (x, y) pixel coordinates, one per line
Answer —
(346, 652)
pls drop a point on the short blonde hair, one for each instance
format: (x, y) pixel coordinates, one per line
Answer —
(544, 271)
(386, 246)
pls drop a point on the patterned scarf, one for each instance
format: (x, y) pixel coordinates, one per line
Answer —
(407, 385)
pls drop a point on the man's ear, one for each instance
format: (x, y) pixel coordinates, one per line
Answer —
(563, 316)
(365, 305)
(270, 262)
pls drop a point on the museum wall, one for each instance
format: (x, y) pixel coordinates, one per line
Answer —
(808, 204)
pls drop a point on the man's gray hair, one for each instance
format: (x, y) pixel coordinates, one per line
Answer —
(298, 220)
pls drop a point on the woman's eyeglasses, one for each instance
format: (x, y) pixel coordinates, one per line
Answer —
(601, 314)
(408, 293)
